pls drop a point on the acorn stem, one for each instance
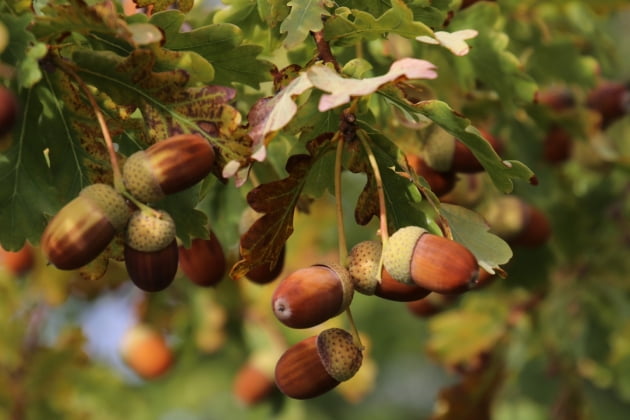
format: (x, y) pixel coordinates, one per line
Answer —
(118, 182)
(140, 205)
(355, 330)
(341, 231)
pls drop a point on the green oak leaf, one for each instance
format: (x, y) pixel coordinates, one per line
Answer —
(190, 222)
(349, 26)
(502, 172)
(471, 230)
(221, 44)
(23, 50)
(305, 17)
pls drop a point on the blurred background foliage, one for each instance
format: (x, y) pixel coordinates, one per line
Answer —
(551, 340)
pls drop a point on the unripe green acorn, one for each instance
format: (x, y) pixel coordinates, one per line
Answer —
(84, 227)
(363, 264)
(432, 262)
(167, 167)
(317, 364)
(312, 295)
(151, 252)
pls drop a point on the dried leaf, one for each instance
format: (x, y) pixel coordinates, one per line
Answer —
(455, 42)
(343, 89)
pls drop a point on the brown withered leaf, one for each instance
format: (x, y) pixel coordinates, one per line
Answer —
(471, 399)
(159, 5)
(277, 200)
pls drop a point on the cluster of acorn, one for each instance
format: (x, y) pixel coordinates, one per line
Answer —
(85, 226)
(409, 266)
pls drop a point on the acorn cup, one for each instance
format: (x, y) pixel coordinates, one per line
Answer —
(84, 227)
(318, 364)
(151, 252)
(204, 262)
(363, 263)
(517, 222)
(167, 167)
(413, 256)
(444, 153)
(312, 295)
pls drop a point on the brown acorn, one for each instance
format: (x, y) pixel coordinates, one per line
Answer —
(312, 295)
(444, 153)
(84, 227)
(167, 167)
(468, 191)
(252, 385)
(429, 305)
(317, 364)
(558, 98)
(557, 145)
(363, 264)
(517, 222)
(17, 262)
(204, 262)
(151, 252)
(8, 110)
(438, 264)
(440, 182)
(611, 100)
(146, 352)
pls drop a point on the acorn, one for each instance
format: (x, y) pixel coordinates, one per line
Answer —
(151, 252)
(611, 100)
(204, 262)
(517, 222)
(558, 98)
(84, 227)
(444, 153)
(438, 264)
(17, 262)
(557, 145)
(8, 110)
(440, 182)
(468, 191)
(146, 352)
(167, 167)
(429, 305)
(317, 364)
(363, 264)
(252, 385)
(312, 295)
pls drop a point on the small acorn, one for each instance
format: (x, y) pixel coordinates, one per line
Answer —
(317, 364)
(167, 167)
(517, 222)
(17, 262)
(363, 263)
(438, 264)
(444, 153)
(611, 100)
(440, 182)
(84, 227)
(558, 98)
(252, 385)
(204, 262)
(557, 145)
(312, 295)
(151, 252)
(468, 191)
(146, 352)
(8, 110)
(429, 305)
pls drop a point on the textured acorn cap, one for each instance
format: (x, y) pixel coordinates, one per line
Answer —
(363, 264)
(149, 233)
(111, 203)
(340, 356)
(398, 252)
(346, 284)
(139, 178)
(438, 150)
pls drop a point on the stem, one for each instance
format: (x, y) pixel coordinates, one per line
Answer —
(355, 330)
(323, 49)
(341, 231)
(380, 191)
(118, 183)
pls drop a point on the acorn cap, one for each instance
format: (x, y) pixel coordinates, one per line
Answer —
(140, 178)
(398, 252)
(148, 232)
(111, 203)
(363, 264)
(340, 356)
